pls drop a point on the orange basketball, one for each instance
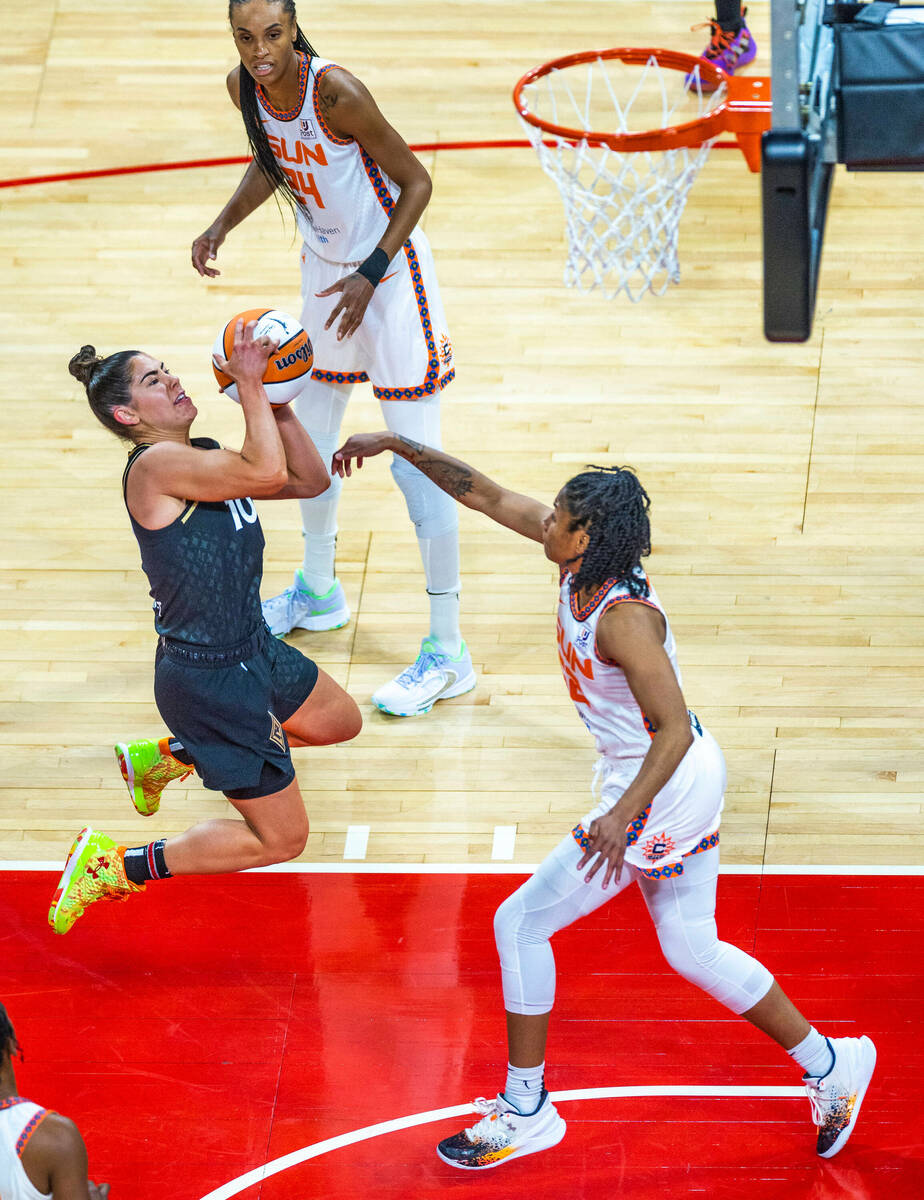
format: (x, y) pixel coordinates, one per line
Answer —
(290, 364)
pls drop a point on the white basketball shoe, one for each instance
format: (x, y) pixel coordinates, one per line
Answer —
(299, 608)
(434, 675)
(836, 1097)
(503, 1133)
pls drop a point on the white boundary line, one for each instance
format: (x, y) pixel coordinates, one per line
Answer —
(438, 1114)
(367, 868)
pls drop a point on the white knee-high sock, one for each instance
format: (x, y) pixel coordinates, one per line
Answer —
(320, 408)
(434, 515)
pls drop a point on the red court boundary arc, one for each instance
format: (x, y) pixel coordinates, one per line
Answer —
(198, 163)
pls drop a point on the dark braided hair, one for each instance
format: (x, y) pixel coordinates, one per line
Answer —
(256, 134)
(611, 504)
(9, 1047)
(108, 383)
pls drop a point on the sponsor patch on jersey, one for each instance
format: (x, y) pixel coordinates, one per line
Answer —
(306, 129)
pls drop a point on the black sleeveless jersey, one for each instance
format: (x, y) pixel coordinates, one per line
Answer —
(204, 568)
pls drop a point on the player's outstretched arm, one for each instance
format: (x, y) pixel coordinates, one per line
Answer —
(517, 512)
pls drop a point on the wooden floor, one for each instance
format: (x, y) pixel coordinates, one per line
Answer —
(787, 482)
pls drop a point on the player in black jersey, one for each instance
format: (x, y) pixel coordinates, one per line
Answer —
(231, 694)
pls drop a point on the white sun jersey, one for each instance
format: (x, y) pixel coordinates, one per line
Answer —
(599, 688)
(18, 1121)
(346, 197)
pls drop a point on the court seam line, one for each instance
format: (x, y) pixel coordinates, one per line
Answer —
(371, 868)
(316, 1149)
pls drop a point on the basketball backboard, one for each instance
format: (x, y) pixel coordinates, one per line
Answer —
(799, 153)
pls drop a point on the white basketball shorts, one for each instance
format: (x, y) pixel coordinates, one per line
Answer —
(402, 345)
(682, 819)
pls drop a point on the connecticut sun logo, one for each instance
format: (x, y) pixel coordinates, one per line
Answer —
(656, 847)
(445, 350)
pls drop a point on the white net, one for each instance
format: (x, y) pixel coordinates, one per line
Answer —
(622, 209)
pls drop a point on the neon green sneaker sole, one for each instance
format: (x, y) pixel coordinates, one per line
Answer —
(134, 758)
(65, 908)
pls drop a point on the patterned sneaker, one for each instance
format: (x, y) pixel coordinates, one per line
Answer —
(836, 1097)
(434, 675)
(94, 870)
(299, 608)
(503, 1133)
(729, 51)
(147, 768)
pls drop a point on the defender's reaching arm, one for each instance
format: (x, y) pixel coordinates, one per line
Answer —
(517, 512)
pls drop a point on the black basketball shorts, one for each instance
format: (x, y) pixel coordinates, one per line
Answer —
(229, 714)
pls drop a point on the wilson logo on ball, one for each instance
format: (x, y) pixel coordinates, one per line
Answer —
(287, 371)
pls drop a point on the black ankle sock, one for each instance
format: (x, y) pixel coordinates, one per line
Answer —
(179, 752)
(729, 15)
(144, 863)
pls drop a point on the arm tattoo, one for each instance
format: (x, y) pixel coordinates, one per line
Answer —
(453, 477)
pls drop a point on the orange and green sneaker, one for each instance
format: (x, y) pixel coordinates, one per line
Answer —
(147, 767)
(94, 870)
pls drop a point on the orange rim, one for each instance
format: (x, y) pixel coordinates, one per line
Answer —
(746, 108)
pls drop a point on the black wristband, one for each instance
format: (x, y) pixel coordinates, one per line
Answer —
(374, 266)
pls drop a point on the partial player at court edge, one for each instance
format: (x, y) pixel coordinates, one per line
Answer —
(661, 779)
(371, 305)
(233, 697)
(42, 1155)
(731, 43)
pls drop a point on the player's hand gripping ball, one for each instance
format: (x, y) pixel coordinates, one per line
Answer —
(290, 364)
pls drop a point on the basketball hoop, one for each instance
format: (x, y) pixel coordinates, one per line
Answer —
(625, 189)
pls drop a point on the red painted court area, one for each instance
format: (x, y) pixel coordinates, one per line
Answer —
(214, 1025)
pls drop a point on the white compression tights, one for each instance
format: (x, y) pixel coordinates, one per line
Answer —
(320, 408)
(682, 908)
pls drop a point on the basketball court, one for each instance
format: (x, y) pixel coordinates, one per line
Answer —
(316, 1031)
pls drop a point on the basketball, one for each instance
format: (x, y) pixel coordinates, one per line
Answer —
(290, 364)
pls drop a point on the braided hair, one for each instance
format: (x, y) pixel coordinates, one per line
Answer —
(256, 135)
(108, 382)
(611, 504)
(9, 1047)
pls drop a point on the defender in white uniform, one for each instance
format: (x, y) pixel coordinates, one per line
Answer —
(370, 303)
(657, 820)
(42, 1154)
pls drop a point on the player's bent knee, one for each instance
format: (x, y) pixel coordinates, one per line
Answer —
(724, 971)
(351, 722)
(285, 847)
(507, 921)
(433, 512)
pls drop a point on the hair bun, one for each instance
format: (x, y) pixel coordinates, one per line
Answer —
(84, 363)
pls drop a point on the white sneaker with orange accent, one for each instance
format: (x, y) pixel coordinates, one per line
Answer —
(502, 1134)
(836, 1097)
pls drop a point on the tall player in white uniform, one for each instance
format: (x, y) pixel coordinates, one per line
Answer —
(657, 821)
(42, 1155)
(370, 303)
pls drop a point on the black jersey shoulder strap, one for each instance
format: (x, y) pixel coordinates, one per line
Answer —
(137, 450)
(133, 455)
